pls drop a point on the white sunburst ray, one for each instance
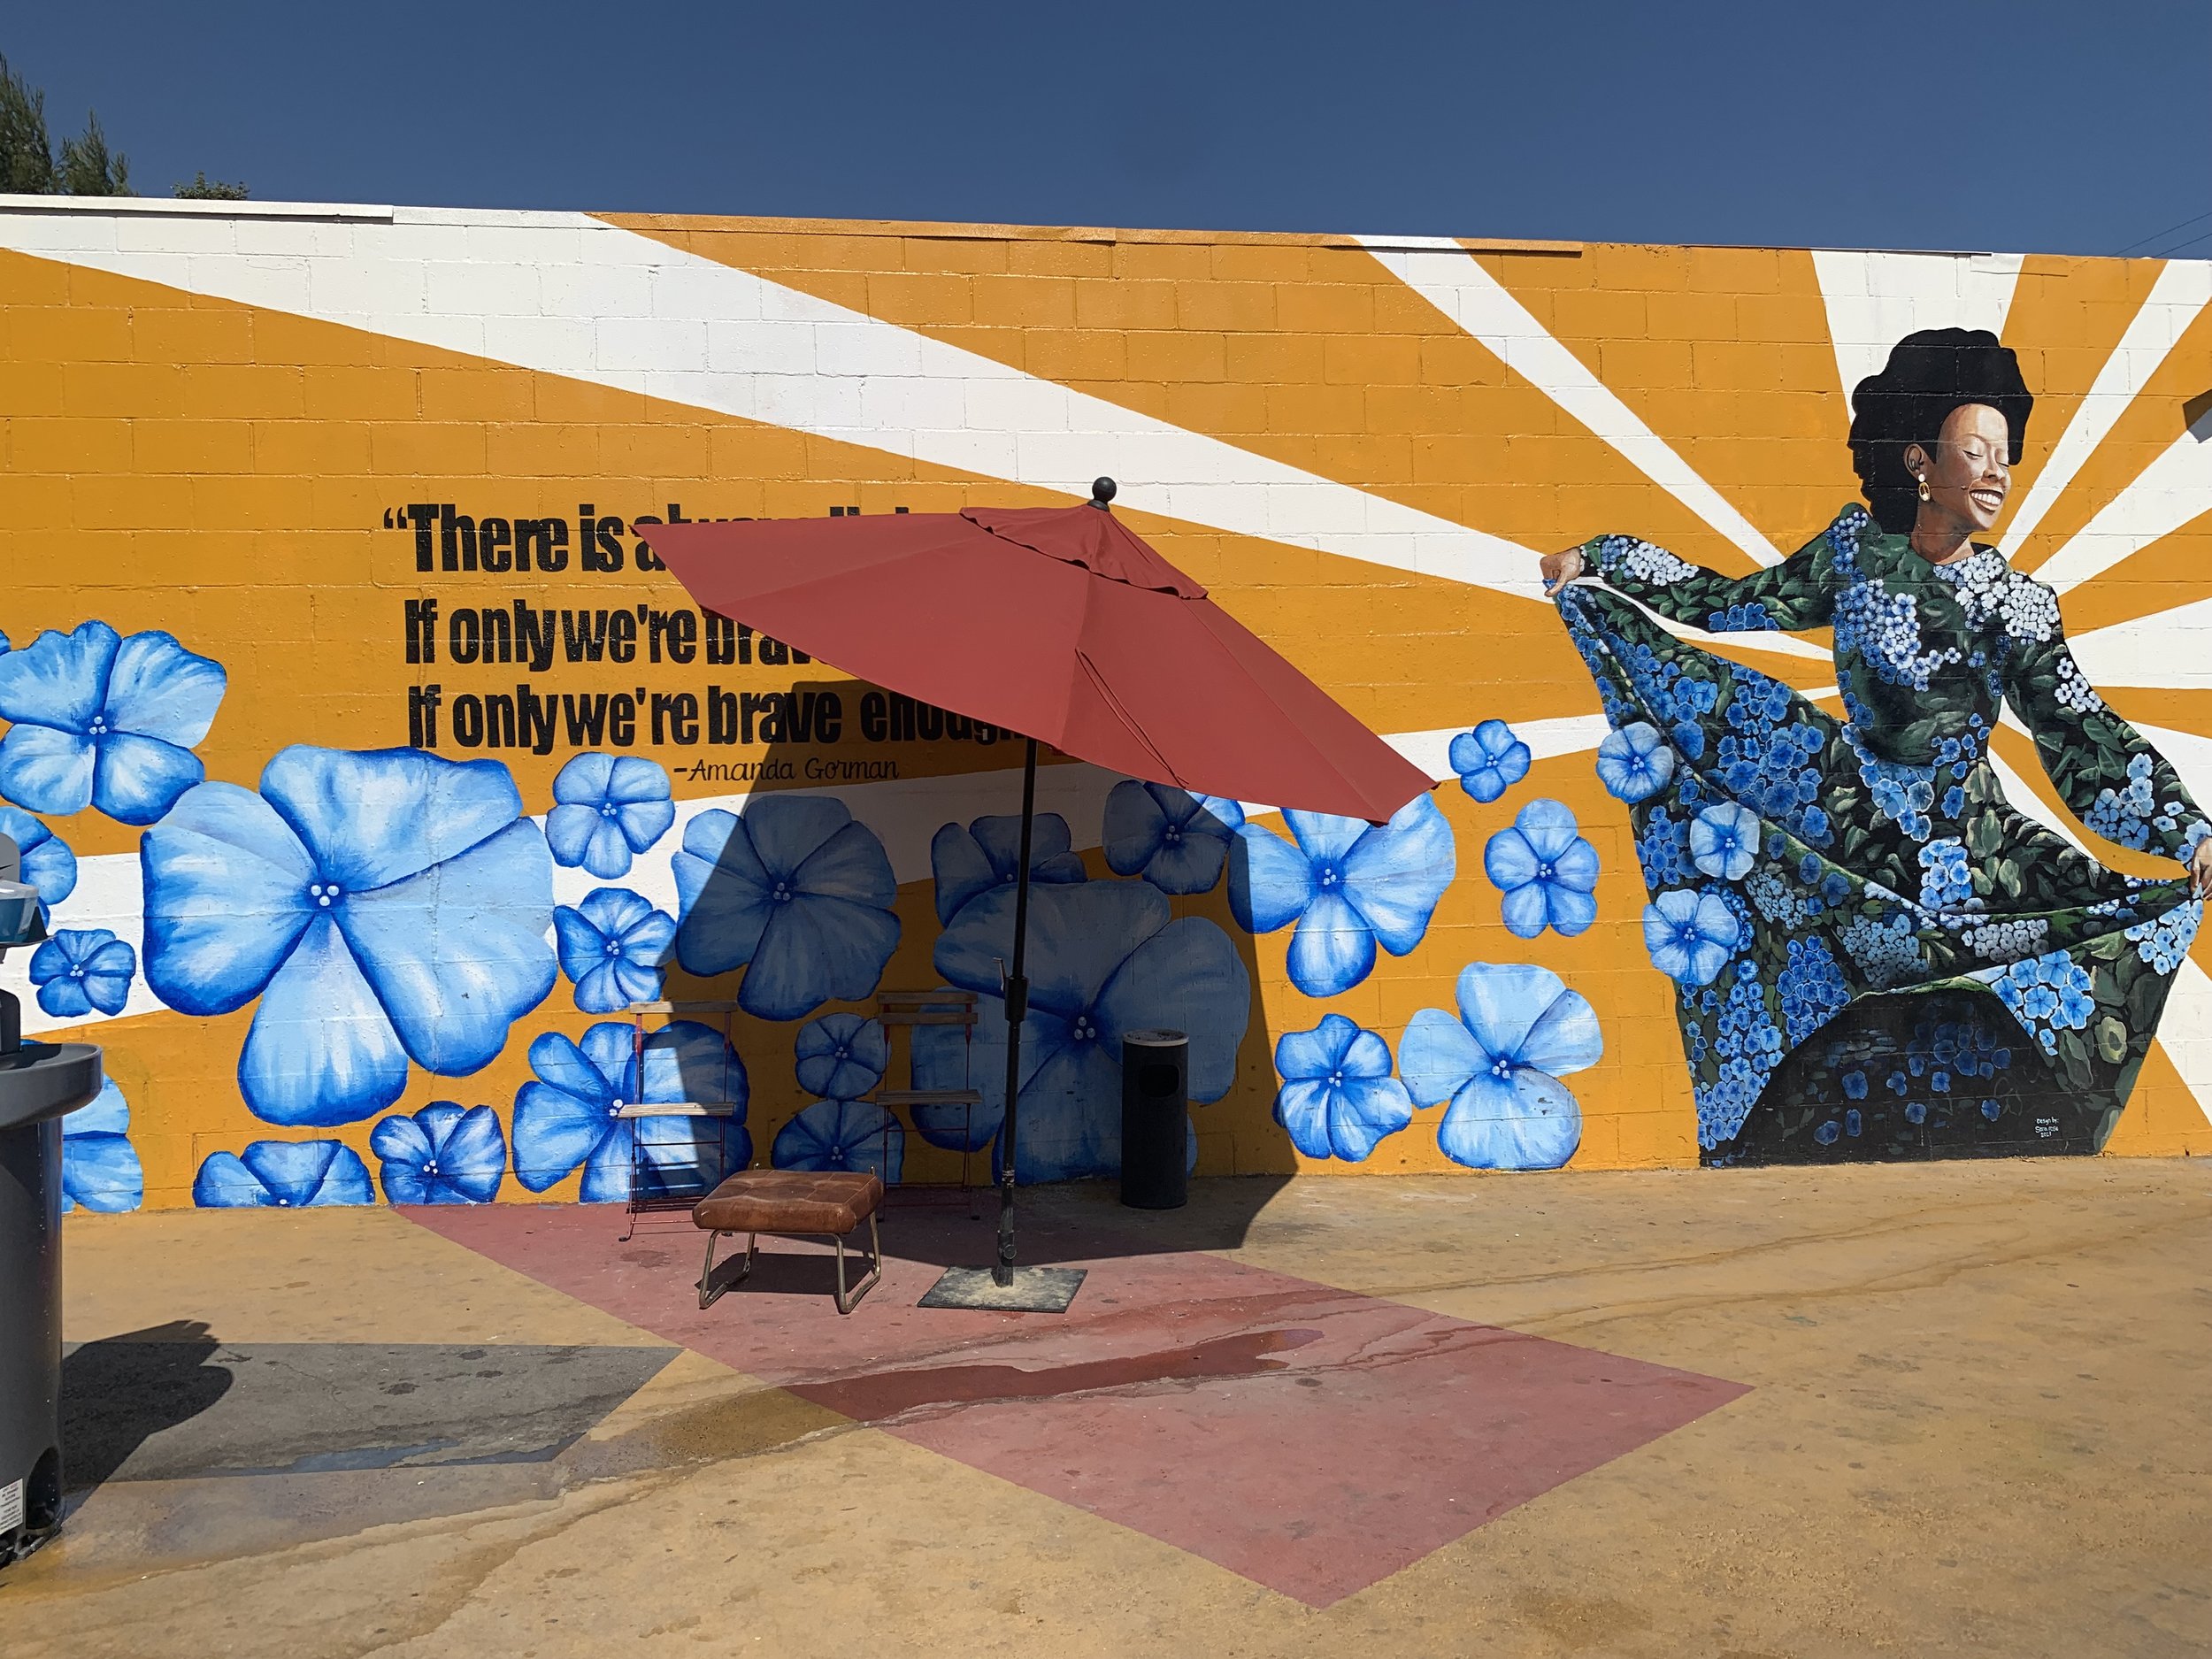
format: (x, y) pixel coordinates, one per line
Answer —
(1450, 278)
(2172, 491)
(632, 312)
(2177, 297)
(1874, 297)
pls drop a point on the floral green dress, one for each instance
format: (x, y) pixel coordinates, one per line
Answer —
(1874, 955)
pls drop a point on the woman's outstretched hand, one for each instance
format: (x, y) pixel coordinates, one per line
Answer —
(1561, 568)
(2200, 871)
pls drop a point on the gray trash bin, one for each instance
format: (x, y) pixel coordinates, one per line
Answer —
(39, 1083)
(1155, 1120)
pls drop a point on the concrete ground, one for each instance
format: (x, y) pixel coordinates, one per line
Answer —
(1955, 1410)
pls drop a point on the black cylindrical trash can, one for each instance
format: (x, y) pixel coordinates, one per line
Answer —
(30, 1336)
(39, 1083)
(1155, 1119)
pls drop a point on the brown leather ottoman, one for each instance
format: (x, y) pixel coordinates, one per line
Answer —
(829, 1203)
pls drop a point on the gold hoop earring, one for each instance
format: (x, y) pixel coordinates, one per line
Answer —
(1924, 495)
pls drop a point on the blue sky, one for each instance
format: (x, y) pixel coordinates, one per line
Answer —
(2042, 125)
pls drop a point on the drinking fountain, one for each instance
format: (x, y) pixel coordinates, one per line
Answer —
(40, 1082)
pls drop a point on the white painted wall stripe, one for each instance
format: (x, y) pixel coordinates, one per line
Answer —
(2174, 488)
(2167, 649)
(1447, 275)
(1875, 299)
(566, 294)
(2176, 298)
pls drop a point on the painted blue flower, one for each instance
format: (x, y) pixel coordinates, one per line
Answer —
(841, 1057)
(1489, 760)
(1813, 991)
(1635, 763)
(99, 1166)
(283, 1175)
(47, 863)
(567, 1116)
(1725, 840)
(607, 810)
(78, 971)
(1690, 936)
(1338, 1098)
(384, 906)
(797, 892)
(1104, 959)
(1348, 884)
(441, 1154)
(1545, 869)
(102, 720)
(843, 1134)
(2164, 941)
(1499, 1063)
(614, 947)
(988, 854)
(1176, 840)
(1947, 878)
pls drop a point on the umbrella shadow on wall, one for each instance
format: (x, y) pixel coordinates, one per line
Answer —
(823, 895)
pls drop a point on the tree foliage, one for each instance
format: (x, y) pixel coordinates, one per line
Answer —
(27, 159)
(204, 189)
(84, 165)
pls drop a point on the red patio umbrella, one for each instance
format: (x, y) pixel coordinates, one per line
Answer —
(1060, 624)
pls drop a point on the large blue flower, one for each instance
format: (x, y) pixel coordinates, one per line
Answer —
(78, 971)
(1519, 1031)
(105, 721)
(614, 946)
(608, 809)
(843, 1134)
(47, 864)
(1104, 959)
(441, 1154)
(1338, 1098)
(1489, 760)
(1545, 869)
(384, 906)
(1725, 840)
(1176, 840)
(567, 1117)
(797, 889)
(99, 1166)
(1348, 884)
(841, 1057)
(1635, 763)
(283, 1175)
(1690, 936)
(988, 854)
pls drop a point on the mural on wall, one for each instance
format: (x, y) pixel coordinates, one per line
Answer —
(1875, 954)
(368, 782)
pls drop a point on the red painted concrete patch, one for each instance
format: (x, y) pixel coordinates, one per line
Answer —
(1309, 1439)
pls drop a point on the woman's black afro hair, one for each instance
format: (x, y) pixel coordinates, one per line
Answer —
(1928, 375)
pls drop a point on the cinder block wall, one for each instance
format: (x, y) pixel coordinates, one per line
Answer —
(305, 486)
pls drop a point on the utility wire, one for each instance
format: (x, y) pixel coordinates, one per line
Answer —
(2169, 230)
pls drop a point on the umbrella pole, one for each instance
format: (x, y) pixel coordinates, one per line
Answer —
(1017, 1011)
(1001, 1286)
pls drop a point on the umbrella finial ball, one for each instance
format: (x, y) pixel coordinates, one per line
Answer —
(1102, 491)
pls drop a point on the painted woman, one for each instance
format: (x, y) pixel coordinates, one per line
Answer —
(1875, 954)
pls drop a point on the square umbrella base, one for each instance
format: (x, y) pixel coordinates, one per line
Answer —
(1034, 1290)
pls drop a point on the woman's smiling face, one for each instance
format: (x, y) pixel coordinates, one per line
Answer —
(1968, 476)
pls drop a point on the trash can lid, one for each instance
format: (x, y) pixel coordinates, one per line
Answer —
(1158, 1038)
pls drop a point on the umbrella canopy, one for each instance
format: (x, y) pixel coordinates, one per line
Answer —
(1056, 623)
